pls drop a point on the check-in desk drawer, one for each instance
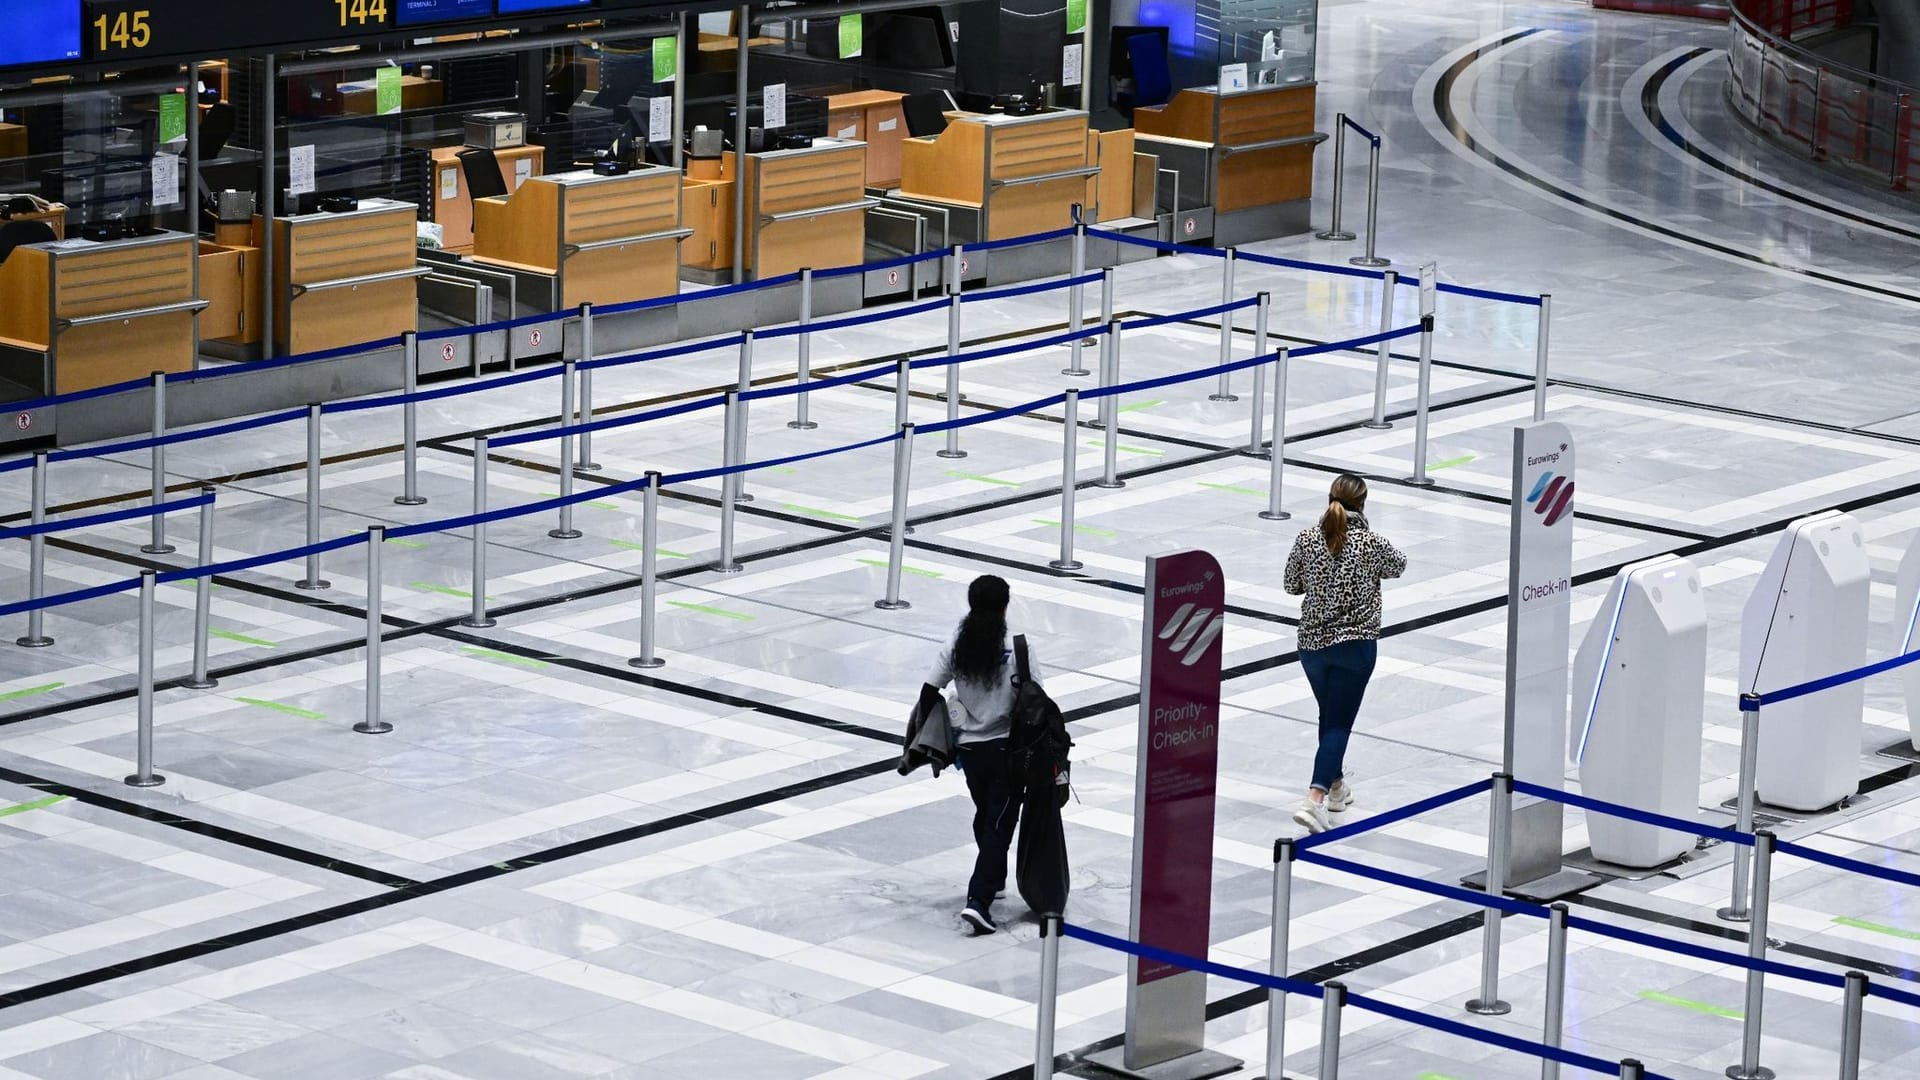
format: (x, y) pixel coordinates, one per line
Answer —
(345, 278)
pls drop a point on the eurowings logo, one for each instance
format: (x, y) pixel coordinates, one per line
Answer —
(1552, 497)
(1190, 632)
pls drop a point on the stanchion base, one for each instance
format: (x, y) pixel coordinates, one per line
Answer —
(743, 497)
(942, 397)
(1728, 914)
(1075, 374)
(730, 568)
(472, 623)
(1223, 397)
(950, 455)
(1334, 234)
(377, 727)
(409, 500)
(1420, 481)
(33, 642)
(1384, 425)
(1109, 484)
(565, 534)
(1067, 564)
(1495, 1007)
(200, 684)
(157, 549)
(798, 426)
(1370, 260)
(149, 780)
(1268, 515)
(646, 663)
(1739, 1072)
(313, 584)
(586, 466)
(892, 605)
(1263, 454)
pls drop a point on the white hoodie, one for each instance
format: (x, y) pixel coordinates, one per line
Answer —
(983, 709)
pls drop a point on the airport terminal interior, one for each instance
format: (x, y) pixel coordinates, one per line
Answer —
(589, 494)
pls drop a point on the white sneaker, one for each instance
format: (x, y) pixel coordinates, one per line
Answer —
(1312, 816)
(1340, 798)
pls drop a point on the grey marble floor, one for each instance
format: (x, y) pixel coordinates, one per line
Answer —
(558, 865)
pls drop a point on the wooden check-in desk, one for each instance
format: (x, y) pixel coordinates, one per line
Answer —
(76, 314)
(344, 278)
(1247, 154)
(589, 238)
(806, 207)
(453, 200)
(874, 117)
(1021, 174)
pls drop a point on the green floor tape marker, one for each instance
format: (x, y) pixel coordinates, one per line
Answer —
(415, 544)
(15, 695)
(977, 478)
(904, 568)
(444, 590)
(1878, 928)
(503, 657)
(290, 710)
(1434, 1076)
(705, 610)
(628, 545)
(814, 511)
(1689, 1003)
(37, 804)
(1125, 449)
(598, 504)
(1451, 462)
(1094, 530)
(1236, 490)
(242, 638)
(1139, 405)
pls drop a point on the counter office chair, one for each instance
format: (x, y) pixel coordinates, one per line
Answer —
(15, 233)
(482, 170)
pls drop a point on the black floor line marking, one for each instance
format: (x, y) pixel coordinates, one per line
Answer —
(335, 913)
(1443, 109)
(1256, 996)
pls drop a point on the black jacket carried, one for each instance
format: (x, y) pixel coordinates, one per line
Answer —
(929, 738)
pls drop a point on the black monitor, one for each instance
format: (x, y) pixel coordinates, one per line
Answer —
(912, 39)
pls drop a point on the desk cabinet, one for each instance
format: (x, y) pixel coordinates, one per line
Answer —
(98, 313)
(601, 239)
(1254, 159)
(453, 200)
(1023, 173)
(806, 207)
(345, 278)
(876, 118)
(706, 207)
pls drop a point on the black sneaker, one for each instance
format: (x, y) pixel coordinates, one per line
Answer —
(979, 918)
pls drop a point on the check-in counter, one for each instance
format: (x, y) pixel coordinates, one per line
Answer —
(343, 278)
(1246, 156)
(585, 237)
(1017, 174)
(453, 200)
(806, 207)
(877, 118)
(75, 314)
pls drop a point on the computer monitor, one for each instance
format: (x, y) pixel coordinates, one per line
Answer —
(911, 39)
(1138, 71)
(40, 32)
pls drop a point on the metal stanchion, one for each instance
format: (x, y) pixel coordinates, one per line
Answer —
(1069, 472)
(649, 581)
(203, 601)
(478, 618)
(1277, 957)
(1540, 358)
(565, 530)
(313, 580)
(1076, 303)
(584, 461)
(1736, 909)
(805, 347)
(1257, 412)
(1333, 1001)
(1334, 231)
(1852, 1017)
(1109, 420)
(143, 774)
(902, 391)
(729, 482)
(1106, 296)
(1049, 994)
(410, 421)
(1373, 208)
(1277, 461)
(1556, 1010)
(1422, 405)
(36, 636)
(1389, 284)
(371, 724)
(1499, 832)
(1631, 1069)
(952, 393)
(740, 423)
(1749, 1067)
(897, 534)
(1223, 391)
(157, 458)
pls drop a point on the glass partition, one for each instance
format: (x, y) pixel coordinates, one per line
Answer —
(1274, 38)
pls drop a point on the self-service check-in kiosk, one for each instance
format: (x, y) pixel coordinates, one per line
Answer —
(1639, 689)
(1906, 614)
(1807, 618)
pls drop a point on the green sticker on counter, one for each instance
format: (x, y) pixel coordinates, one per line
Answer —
(386, 91)
(851, 36)
(1076, 16)
(666, 58)
(173, 117)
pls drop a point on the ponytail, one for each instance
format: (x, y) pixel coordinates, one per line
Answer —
(1348, 496)
(1333, 526)
(979, 650)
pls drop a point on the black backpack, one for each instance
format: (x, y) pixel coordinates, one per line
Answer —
(1038, 744)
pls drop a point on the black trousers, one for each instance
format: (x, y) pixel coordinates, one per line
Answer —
(996, 814)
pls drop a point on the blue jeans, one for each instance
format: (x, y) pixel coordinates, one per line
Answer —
(1338, 675)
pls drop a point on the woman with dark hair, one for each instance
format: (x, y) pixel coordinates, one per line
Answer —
(980, 665)
(1337, 567)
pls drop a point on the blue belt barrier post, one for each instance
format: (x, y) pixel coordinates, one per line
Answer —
(1749, 1067)
(649, 581)
(742, 388)
(1554, 1017)
(1500, 822)
(1332, 1003)
(952, 450)
(1259, 376)
(157, 459)
(1540, 358)
(1277, 957)
(1737, 909)
(1277, 461)
(1389, 284)
(1851, 1017)
(1632, 1070)
(1106, 295)
(410, 420)
(1373, 205)
(804, 346)
(36, 637)
(143, 774)
(478, 618)
(1110, 409)
(313, 581)
(1076, 306)
(370, 723)
(203, 599)
(1069, 472)
(1224, 390)
(584, 462)
(897, 534)
(1334, 231)
(1049, 995)
(1424, 391)
(565, 530)
(729, 481)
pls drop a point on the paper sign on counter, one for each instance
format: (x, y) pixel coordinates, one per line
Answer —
(660, 119)
(299, 170)
(773, 105)
(166, 180)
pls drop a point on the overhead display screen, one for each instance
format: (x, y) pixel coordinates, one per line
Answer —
(515, 7)
(410, 12)
(40, 31)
